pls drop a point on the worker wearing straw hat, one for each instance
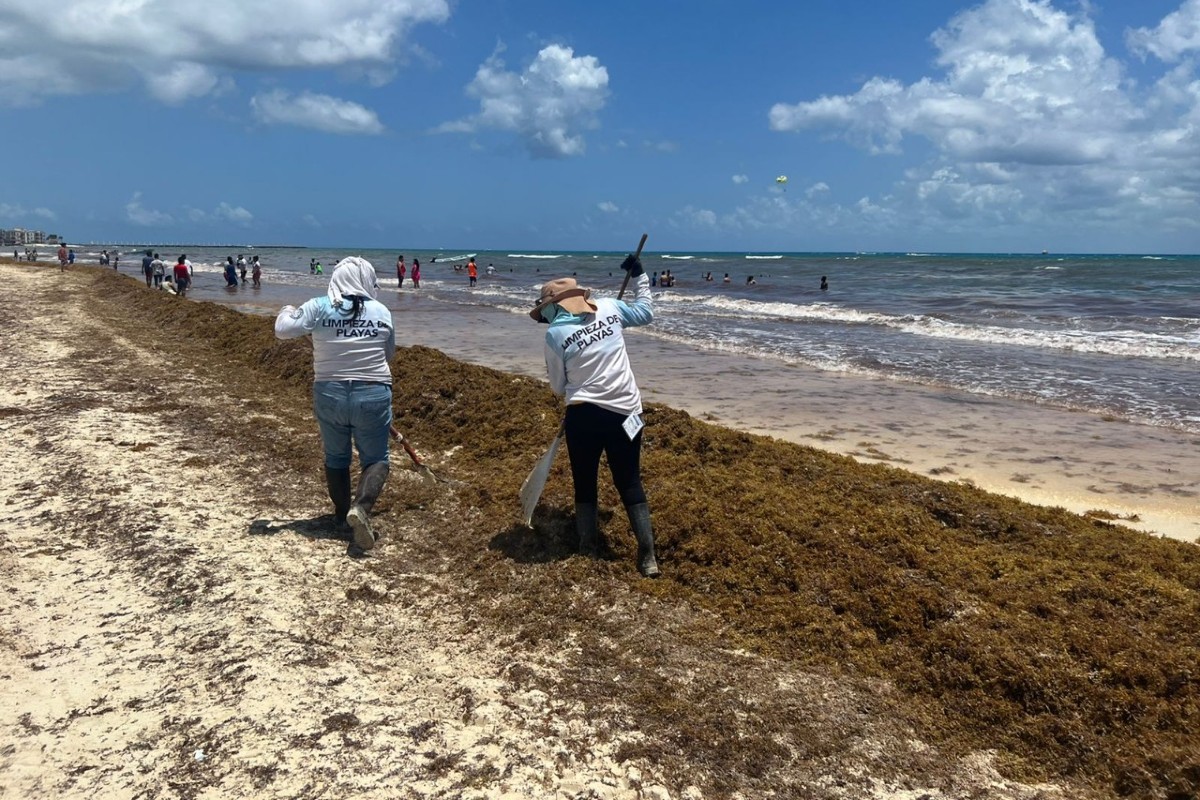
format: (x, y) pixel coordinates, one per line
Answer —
(589, 367)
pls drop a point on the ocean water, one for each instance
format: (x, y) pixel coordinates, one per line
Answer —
(1114, 335)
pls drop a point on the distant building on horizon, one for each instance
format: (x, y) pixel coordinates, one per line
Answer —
(18, 237)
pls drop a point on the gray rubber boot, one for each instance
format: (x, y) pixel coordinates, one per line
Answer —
(587, 525)
(370, 484)
(338, 483)
(639, 520)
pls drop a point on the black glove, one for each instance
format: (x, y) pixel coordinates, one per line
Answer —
(633, 265)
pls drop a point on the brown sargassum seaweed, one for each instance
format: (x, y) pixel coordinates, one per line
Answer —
(1070, 645)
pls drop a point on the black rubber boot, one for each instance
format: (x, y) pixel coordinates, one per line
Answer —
(338, 482)
(587, 525)
(370, 484)
(639, 520)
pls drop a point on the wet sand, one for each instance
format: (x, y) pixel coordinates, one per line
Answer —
(1149, 477)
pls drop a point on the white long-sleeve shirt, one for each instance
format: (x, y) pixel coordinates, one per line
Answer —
(344, 349)
(585, 354)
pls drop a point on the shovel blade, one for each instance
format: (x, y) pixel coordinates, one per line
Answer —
(531, 489)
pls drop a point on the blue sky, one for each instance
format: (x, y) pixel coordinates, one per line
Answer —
(1007, 125)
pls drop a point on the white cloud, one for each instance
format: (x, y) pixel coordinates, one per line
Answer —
(691, 217)
(223, 213)
(1026, 83)
(139, 215)
(1176, 36)
(741, 179)
(18, 212)
(182, 82)
(235, 214)
(547, 105)
(608, 208)
(817, 189)
(184, 50)
(317, 111)
(1030, 120)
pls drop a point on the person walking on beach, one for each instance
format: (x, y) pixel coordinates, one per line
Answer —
(588, 367)
(353, 345)
(416, 273)
(472, 271)
(256, 273)
(62, 257)
(148, 267)
(159, 270)
(71, 256)
(400, 272)
(183, 276)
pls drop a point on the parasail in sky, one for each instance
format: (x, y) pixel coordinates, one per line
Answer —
(782, 182)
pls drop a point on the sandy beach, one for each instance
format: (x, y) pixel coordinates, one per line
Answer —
(180, 622)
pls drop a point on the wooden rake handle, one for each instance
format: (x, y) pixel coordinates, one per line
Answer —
(637, 254)
(408, 448)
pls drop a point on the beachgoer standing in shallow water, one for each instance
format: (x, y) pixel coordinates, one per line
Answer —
(400, 272)
(472, 271)
(416, 273)
(256, 273)
(230, 272)
(353, 345)
(241, 265)
(589, 368)
(183, 276)
(824, 284)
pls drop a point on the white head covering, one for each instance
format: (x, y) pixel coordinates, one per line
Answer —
(352, 275)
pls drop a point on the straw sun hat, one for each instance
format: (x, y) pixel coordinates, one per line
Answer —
(567, 293)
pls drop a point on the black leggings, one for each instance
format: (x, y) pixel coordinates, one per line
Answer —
(592, 430)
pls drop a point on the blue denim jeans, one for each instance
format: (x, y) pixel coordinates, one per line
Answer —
(358, 412)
